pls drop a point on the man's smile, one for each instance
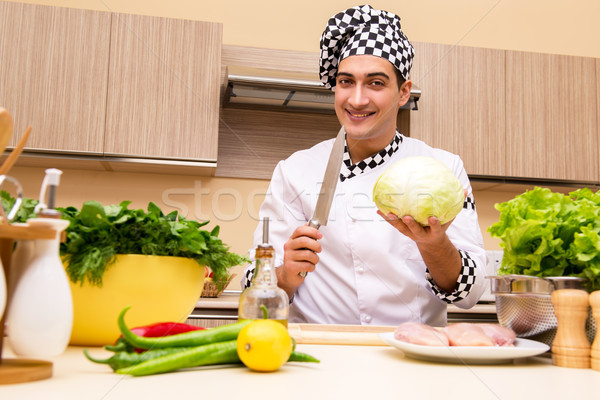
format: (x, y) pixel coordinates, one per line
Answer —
(359, 115)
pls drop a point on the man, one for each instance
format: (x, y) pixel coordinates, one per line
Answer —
(364, 267)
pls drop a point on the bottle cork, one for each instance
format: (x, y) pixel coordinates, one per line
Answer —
(571, 347)
(595, 353)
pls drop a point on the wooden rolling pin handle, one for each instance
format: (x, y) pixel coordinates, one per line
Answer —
(595, 303)
(571, 347)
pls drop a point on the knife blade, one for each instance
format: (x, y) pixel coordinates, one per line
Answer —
(330, 179)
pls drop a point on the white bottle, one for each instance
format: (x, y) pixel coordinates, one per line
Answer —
(21, 258)
(40, 315)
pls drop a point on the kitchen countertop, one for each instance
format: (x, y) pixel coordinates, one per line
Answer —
(229, 300)
(345, 372)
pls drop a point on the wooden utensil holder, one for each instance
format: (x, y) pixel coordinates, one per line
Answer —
(571, 347)
(16, 370)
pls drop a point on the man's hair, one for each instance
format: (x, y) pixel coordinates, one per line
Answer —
(399, 78)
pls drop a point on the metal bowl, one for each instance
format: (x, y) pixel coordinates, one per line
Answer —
(523, 304)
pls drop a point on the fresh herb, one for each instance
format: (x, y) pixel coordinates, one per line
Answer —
(551, 234)
(26, 210)
(98, 233)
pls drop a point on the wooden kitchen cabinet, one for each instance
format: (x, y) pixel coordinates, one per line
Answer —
(510, 114)
(598, 112)
(552, 117)
(53, 75)
(462, 106)
(163, 88)
(134, 92)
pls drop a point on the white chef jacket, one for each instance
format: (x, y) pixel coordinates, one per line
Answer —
(368, 272)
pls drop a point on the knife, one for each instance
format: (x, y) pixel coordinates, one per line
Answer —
(330, 179)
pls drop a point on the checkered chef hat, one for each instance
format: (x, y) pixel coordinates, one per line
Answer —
(363, 30)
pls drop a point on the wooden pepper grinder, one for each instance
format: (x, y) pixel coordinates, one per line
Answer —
(571, 347)
(595, 303)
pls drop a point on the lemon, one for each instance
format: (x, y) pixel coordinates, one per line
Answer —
(264, 345)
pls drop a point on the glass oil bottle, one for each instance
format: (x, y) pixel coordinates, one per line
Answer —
(264, 298)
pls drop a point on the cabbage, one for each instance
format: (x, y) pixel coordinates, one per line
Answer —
(421, 187)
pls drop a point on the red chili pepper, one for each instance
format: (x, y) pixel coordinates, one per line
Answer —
(159, 329)
(164, 329)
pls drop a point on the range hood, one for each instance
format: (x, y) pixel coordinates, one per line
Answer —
(254, 87)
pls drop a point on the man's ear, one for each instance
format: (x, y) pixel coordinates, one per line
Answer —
(405, 89)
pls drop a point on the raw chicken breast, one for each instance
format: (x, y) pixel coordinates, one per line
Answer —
(416, 333)
(465, 334)
(500, 335)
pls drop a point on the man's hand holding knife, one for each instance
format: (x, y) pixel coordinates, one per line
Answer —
(300, 252)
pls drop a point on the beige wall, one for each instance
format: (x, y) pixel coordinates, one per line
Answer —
(550, 26)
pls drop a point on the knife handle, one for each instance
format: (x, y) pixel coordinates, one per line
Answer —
(313, 223)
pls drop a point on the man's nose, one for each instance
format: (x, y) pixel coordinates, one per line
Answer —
(358, 97)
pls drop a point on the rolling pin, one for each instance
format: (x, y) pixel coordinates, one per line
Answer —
(595, 303)
(571, 347)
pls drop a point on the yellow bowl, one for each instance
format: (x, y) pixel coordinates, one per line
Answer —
(158, 289)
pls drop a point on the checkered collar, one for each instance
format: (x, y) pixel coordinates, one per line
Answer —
(350, 170)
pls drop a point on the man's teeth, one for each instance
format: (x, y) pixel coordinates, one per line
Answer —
(360, 115)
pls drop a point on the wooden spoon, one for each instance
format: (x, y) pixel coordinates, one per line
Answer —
(6, 128)
(12, 158)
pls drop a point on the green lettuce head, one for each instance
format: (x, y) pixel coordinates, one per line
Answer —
(421, 187)
(545, 233)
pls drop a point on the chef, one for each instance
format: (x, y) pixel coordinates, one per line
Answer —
(364, 267)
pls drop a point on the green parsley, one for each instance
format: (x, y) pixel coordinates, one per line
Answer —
(97, 233)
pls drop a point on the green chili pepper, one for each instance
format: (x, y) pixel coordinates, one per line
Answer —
(188, 339)
(208, 354)
(153, 330)
(302, 357)
(185, 350)
(120, 345)
(123, 359)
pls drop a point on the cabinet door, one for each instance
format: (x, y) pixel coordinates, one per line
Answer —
(598, 113)
(53, 74)
(552, 125)
(163, 88)
(462, 108)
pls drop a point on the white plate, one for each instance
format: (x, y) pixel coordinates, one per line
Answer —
(468, 354)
